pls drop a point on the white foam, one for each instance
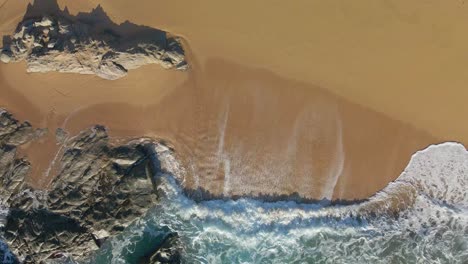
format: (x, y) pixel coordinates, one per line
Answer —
(227, 177)
(338, 164)
(431, 228)
(3, 215)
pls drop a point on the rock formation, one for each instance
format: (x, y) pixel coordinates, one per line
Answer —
(88, 43)
(13, 170)
(99, 190)
(166, 253)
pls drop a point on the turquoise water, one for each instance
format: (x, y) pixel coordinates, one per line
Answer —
(433, 227)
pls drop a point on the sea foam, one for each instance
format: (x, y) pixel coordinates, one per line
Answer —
(422, 217)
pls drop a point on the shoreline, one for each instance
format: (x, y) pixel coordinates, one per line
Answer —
(204, 131)
(239, 129)
(138, 169)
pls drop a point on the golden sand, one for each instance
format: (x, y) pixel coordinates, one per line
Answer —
(319, 98)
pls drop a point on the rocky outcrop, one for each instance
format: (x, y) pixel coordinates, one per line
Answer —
(99, 190)
(13, 170)
(167, 252)
(88, 43)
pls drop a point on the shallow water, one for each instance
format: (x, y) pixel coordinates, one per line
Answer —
(431, 226)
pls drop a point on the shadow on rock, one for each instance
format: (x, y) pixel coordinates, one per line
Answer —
(51, 39)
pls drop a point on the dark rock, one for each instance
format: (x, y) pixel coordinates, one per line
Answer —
(99, 190)
(104, 187)
(61, 135)
(168, 252)
(13, 170)
(41, 234)
(14, 133)
(88, 43)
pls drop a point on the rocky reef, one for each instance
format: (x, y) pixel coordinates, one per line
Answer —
(88, 43)
(99, 190)
(13, 170)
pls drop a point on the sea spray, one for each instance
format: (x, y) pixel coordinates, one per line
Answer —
(432, 227)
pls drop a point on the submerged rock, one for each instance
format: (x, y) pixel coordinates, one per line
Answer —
(99, 190)
(167, 252)
(90, 43)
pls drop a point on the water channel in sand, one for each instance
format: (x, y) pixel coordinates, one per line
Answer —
(237, 129)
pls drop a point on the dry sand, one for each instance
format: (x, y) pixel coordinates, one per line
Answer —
(324, 99)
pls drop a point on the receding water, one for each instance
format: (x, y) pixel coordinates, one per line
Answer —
(431, 226)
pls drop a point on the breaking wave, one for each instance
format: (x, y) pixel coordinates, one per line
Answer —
(422, 217)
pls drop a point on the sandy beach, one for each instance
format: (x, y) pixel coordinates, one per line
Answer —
(316, 100)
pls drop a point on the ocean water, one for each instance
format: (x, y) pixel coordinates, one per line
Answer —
(6, 256)
(422, 217)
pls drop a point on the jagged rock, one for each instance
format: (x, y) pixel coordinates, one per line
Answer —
(14, 133)
(38, 235)
(99, 190)
(89, 44)
(61, 135)
(168, 252)
(105, 195)
(13, 170)
(108, 69)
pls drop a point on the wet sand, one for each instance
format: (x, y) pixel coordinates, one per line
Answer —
(342, 125)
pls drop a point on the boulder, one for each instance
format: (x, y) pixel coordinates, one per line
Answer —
(5, 56)
(99, 190)
(167, 252)
(90, 43)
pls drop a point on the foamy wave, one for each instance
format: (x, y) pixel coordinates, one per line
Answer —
(439, 172)
(430, 224)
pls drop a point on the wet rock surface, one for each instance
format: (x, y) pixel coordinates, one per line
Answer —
(168, 252)
(14, 169)
(51, 39)
(99, 190)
